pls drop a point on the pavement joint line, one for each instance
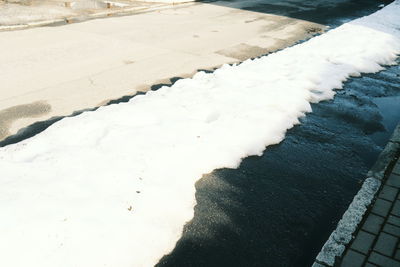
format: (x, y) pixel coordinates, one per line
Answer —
(105, 14)
(367, 256)
(376, 236)
(390, 257)
(321, 263)
(386, 217)
(367, 231)
(391, 186)
(397, 217)
(398, 237)
(396, 248)
(371, 212)
(359, 251)
(383, 231)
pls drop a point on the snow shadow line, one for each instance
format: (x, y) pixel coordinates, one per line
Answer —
(40, 126)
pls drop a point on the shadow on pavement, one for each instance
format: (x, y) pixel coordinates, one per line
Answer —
(327, 12)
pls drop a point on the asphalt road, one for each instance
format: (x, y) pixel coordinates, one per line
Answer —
(279, 209)
(85, 65)
(327, 12)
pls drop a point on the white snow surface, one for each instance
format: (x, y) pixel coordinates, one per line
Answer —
(114, 187)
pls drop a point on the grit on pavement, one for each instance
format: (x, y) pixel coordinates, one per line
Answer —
(54, 71)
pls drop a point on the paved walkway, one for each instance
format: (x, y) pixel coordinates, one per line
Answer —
(377, 240)
(369, 232)
(24, 14)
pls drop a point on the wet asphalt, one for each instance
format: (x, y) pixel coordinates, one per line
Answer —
(279, 209)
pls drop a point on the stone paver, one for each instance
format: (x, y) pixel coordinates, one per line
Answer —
(386, 244)
(381, 207)
(396, 169)
(353, 259)
(388, 193)
(382, 261)
(394, 220)
(396, 208)
(376, 242)
(397, 255)
(363, 242)
(373, 224)
(394, 180)
(391, 229)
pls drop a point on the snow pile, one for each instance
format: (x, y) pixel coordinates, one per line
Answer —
(114, 187)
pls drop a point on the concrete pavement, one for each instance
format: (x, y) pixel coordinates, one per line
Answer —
(54, 71)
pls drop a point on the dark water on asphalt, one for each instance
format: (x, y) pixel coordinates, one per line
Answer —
(327, 12)
(389, 106)
(279, 209)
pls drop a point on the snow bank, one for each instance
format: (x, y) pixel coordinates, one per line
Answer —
(114, 187)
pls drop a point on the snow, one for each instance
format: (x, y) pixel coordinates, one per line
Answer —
(114, 187)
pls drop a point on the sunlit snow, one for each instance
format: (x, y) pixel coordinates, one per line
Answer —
(114, 187)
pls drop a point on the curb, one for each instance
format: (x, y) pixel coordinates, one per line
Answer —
(102, 14)
(343, 234)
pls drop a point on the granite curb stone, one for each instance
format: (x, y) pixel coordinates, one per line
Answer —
(375, 242)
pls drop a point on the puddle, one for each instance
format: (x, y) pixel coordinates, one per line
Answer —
(389, 108)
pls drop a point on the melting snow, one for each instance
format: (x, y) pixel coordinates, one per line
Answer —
(114, 187)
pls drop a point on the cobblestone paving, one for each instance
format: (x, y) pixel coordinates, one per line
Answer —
(377, 241)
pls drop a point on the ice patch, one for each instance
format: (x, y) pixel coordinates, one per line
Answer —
(114, 187)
